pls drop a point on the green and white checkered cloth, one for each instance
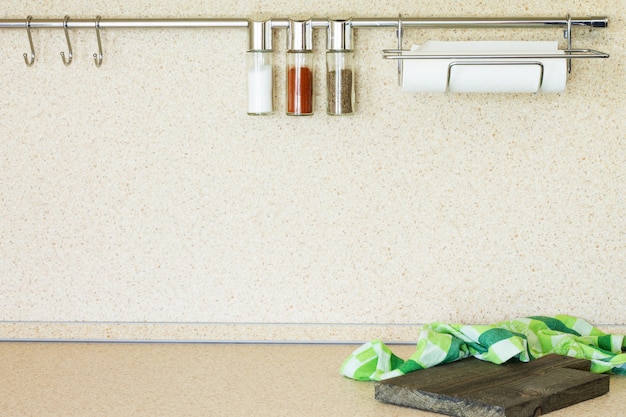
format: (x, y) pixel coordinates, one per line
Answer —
(523, 339)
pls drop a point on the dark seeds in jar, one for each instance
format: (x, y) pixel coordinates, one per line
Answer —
(339, 92)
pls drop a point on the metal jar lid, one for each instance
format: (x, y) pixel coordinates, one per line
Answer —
(260, 34)
(300, 35)
(339, 35)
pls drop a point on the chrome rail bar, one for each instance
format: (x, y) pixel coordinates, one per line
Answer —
(363, 22)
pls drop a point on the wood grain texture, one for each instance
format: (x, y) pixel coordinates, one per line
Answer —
(474, 388)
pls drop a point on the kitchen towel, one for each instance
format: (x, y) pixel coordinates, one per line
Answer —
(520, 75)
(523, 339)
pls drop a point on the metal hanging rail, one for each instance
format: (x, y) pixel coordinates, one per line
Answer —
(367, 22)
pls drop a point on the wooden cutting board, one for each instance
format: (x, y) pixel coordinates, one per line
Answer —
(474, 388)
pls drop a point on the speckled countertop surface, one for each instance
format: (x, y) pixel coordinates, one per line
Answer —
(103, 379)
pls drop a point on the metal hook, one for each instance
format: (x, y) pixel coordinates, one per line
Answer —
(98, 57)
(69, 45)
(30, 62)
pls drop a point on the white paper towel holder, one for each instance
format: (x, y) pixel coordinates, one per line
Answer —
(401, 54)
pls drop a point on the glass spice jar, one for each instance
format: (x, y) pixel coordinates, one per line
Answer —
(260, 69)
(340, 83)
(300, 68)
(339, 68)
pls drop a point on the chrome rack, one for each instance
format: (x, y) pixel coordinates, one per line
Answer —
(568, 23)
(399, 23)
(261, 32)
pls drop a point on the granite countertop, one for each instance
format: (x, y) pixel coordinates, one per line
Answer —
(145, 379)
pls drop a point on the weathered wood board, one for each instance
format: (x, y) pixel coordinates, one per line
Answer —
(474, 388)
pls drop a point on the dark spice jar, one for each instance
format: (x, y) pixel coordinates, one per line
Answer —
(300, 68)
(339, 69)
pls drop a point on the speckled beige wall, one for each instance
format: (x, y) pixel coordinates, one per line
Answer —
(139, 201)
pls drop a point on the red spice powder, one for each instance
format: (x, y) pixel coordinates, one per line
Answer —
(299, 90)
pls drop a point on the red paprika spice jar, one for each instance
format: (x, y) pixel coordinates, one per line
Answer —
(300, 68)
